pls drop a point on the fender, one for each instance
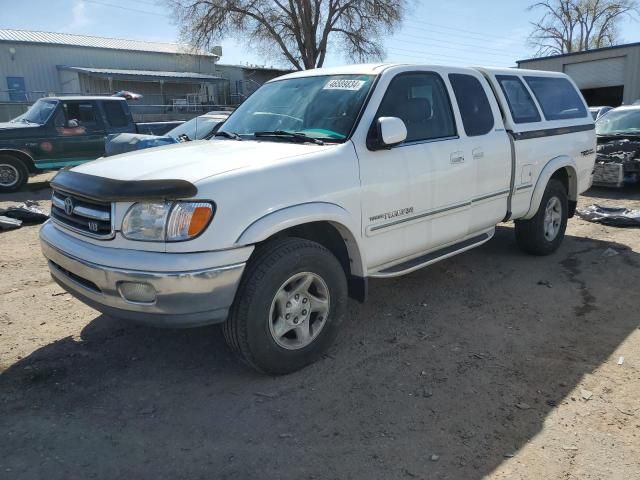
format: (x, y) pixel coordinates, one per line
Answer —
(555, 164)
(295, 215)
(21, 155)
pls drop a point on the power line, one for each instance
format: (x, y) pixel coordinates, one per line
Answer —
(455, 49)
(120, 7)
(423, 55)
(462, 30)
(492, 51)
(446, 40)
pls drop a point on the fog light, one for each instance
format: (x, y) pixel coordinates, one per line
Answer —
(137, 292)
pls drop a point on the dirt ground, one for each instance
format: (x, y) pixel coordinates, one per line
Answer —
(492, 364)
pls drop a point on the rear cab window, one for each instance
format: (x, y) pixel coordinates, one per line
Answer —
(475, 109)
(557, 97)
(523, 108)
(116, 116)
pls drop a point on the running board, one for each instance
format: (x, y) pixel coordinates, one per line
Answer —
(433, 257)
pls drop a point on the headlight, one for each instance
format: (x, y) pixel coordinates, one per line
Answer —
(166, 221)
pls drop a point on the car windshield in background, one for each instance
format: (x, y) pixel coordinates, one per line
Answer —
(38, 113)
(619, 122)
(321, 107)
(196, 128)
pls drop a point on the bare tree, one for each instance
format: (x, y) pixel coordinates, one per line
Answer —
(577, 25)
(298, 30)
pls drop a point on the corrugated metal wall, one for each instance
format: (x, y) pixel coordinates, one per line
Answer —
(38, 63)
(599, 65)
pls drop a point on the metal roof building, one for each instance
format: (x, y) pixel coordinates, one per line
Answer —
(36, 64)
(606, 76)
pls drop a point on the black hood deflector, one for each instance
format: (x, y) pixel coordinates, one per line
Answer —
(103, 189)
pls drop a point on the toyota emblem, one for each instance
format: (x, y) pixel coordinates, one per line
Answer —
(68, 206)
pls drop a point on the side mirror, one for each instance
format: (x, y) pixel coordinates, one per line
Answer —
(391, 131)
(73, 123)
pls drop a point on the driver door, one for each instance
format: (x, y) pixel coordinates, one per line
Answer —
(415, 196)
(79, 135)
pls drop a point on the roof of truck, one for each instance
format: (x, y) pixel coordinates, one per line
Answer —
(377, 68)
(84, 97)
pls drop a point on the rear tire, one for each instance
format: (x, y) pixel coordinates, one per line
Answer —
(293, 278)
(543, 233)
(13, 174)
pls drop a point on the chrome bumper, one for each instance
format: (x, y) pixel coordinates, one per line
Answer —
(182, 298)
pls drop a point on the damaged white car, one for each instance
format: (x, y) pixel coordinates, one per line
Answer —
(618, 160)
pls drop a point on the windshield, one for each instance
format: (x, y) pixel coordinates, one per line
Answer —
(38, 113)
(323, 107)
(196, 128)
(619, 122)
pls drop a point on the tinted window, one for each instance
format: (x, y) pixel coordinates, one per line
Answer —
(115, 114)
(523, 110)
(557, 98)
(422, 102)
(475, 109)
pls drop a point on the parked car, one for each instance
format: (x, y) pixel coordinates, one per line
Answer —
(199, 128)
(58, 132)
(597, 112)
(618, 160)
(319, 181)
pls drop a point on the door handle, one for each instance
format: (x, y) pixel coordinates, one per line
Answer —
(477, 153)
(457, 157)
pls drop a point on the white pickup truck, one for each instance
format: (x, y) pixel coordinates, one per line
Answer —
(319, 181)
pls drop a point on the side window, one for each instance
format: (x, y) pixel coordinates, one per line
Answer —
(557, 98)
(422, 102)
(115, 114)
(523, 109)
(475, 109)
(83, 112)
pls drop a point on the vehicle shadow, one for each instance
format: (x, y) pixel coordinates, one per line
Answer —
(31, 191)
(628, 192)
(434, 364)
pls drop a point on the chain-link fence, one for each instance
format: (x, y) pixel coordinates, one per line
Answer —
(150, 108)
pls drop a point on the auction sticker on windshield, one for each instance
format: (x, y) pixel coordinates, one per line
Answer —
(344, 85)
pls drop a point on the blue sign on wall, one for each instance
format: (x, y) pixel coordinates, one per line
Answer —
(17, 90)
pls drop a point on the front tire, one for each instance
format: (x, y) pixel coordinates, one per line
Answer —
(289, 306)
(13, 174)
(543, 233)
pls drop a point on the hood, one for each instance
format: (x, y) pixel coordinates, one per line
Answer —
(194, 161)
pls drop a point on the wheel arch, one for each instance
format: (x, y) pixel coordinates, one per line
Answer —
(325, 223)
(562, 168)
(22, 156)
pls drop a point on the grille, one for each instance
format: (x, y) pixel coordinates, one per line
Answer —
(81, 215)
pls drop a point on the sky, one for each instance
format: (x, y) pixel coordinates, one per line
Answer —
(453, 32)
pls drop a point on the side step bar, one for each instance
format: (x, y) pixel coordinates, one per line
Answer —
(433, 257)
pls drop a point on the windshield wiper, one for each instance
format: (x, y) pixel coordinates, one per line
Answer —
(292, 135)
(232, 135)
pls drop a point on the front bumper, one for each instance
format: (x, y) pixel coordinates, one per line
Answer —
(183, 298)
